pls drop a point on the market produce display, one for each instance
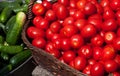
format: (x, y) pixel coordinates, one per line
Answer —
(13, 51)
(85, 34)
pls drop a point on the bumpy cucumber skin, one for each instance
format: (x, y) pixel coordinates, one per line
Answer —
(20, 57)
(5, 14)
(11, 49)
(14, 32)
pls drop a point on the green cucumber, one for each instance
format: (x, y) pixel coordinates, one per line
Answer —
(20, 57)
(11, 49)
(10, 23)
(14, 32)
(2, 27)
(5, 14)
(5, 70)
(4, 56)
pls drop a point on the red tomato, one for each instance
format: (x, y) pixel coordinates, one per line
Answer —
(104, 3)
(46, 4)
(87, 69)
(36, 20)
(49, 34)
(57, 43)
(76, 41)
(88, 31)
(39, 42)
(115, 4)
(108, 52)
(38, 9)
(79, 63)
(80, 23)
(117, 14)
(110, 66)
(91, 61)
(97, 70)
(78, 15)
(109, 37)
(97, 40)
(64, 2)
(55, 53)
(34, 32)
(68, 21)
(68, 56)
(65, 44)
(90, 8)
(81, 4)
(55, 26)
(72, 4)
(85, 51)
(117, 59)
(109, 25)
(116, 43)
(50, 15)
(97, 53)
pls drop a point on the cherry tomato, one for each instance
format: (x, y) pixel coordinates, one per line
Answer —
(68, 21)
(97, 53)
(55, 26)
(38, 9)
(116, 43)
(46, 4)
(115, 4)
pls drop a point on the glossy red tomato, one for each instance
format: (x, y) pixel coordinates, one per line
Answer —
(97, 69)
(76, 41)
(39, 42)
(85, 51)
(46, 4)
(88, 31)
(117, 59)
(116, 43)
(34, 32)
(68, 56)
(64, 2)
(110, 66)
(36, 20)
(87, 69)
(115, 4)
(50, 15)
(97, 53)
(109, 25)
(78, 15)
(57, 43)
(108, 52)
(72, 4)
(109, 37)
(104, 3)
(49, 34)
(97, 40)
(92, 61)
(80, 4)
(55, 52)
(65, 44)
(79, 63)
(55, 26)
(68, 21)
(38, 9)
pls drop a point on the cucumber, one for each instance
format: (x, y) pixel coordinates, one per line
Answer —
(6, 69)
(4, 56)
(14, 32)
(10, 23)
(2, 27)
(5, 14)
(20, 57)
(11, 49)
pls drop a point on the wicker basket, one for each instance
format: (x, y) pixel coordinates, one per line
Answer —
(43, 58)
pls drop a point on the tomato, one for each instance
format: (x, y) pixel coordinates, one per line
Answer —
(61, 12)
(72, 4)
(97, 53)
(47, 4)
(72, 12)
(108, 52)
(97, 40)
(43, 24)
(109, 37)
(85, 51)
(57, 43)
(64, 2)
(38, 9)
(68, 21)
(36, 20)
(34, 32)
(97, 69)
(88, 31)
(109, 25)
(55, 36)
(76, 41)
(117, 14)
(87, 69)
(49, 34)
(116, 43)
(78, 15)
(55, 53)
(68, 56)
(90, 8)
(91, 61)
(55, 26)
(80, 23)
(110, 66)
(79, 63)
(50, 15)
(117, 59)
(65, 44)
(115, 4)
(104, 3)
(81, 4)
(39, 42)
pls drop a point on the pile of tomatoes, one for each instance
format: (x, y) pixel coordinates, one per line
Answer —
(84, 34)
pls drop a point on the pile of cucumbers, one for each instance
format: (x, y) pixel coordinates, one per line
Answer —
(13, 51)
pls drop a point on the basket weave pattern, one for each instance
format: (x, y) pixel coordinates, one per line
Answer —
(43, 58)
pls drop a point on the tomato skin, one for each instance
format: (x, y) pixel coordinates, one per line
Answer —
(87, 69)
(109, 25)
(36, 20)
(117, 60)
(110, 66)
(108, 52)
(38, 9)
(116, 43)
(34, 32)
(97, 53)
(68, 56)
(55, 26)
(39, 42)
(97, 69)
(115, 4)
(47, 4)
(68, 21)
(64, 2)
(79, 15)
(80, 4)
(104, 3)
(85, 51)
(65, 44)
(79, 63)
(49, 34)
(88, 31)
(76, 41)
